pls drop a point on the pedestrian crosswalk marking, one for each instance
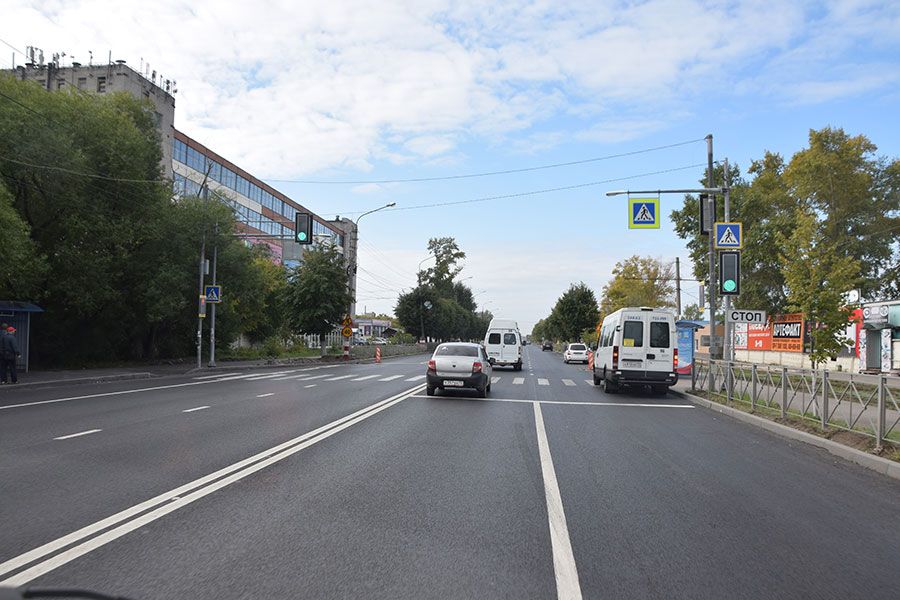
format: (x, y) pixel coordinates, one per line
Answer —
(364, 378)
(542, 381)
(589, 382)
(495, 379)
(217, 375)
(518, 380)
(338, 377)
(568, 382)
(415, 378)
(315, 377)
(391, 378)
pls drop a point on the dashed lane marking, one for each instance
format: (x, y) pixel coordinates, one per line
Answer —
(338, 377)
(542, 381)
(364, 378)
(79, 434)
(310, 385)
(195, 409)
(568, 382)
(265, 395)
(518, 380)
(415, 378)
(391, 378)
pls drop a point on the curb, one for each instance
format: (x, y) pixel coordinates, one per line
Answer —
(83, 380)
(864, 459)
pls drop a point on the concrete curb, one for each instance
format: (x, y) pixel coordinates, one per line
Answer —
(83, 380)
(864, 459)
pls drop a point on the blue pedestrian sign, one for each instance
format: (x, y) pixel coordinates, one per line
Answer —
(729, 236)
(643, 213)
(213, 293)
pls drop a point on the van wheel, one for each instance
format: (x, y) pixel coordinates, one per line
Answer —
(609, 387)
(597, 380)
(518, 367)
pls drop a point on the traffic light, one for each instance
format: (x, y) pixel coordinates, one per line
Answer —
(730, 273)
(303, 228)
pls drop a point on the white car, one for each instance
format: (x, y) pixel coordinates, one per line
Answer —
(575, 353)
(379, 340)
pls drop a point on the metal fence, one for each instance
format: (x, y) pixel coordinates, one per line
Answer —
(865, 404)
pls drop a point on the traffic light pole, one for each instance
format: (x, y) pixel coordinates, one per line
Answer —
(711, 289)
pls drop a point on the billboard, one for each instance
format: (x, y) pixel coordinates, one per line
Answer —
(787, 333)
(759, 337)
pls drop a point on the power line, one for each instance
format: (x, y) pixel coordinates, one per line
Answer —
(11, 46)
(492, 173)
(80, 173)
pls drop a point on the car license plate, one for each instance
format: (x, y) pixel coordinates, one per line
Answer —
(631, 363)
(451, 383)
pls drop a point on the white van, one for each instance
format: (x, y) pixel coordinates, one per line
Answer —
(637, 346)
(503, 343)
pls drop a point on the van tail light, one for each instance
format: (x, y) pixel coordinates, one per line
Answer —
(432, 368)
(476, 367)
(675, 359)
(615, 357)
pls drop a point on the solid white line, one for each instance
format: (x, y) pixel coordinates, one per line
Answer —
(310, 385)
(518, 380)
(217, 375)
(542, 381)
(177, 498)
(364, 378)
(195, 408)
(265, 395)
(415, 378)
(338, 377)
(567, 586)
(572, 403)
(79, 434)
(568, 382)
(391, 378)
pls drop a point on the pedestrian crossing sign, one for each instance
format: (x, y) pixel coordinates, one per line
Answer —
(729, 236)
(213, 294)
(643, 213)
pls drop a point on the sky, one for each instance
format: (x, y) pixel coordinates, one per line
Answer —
(333, 102)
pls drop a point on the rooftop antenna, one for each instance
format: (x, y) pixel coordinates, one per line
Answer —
(90, 58)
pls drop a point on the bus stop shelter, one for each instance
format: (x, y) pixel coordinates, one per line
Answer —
(18, 315)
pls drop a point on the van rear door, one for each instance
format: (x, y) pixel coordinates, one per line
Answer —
(660, 338)
(632, 350)
(509, 349)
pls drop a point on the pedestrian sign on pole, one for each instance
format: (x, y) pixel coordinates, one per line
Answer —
(643, 213)
(729, 236)
(347, 322)
(213, 294)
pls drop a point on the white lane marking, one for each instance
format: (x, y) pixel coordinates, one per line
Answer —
(268, 376)
(518, 380)
(572, 403)
(79, 434)
(315, 377)
(494, 379)
(310, 385)
(542, 381)
(568, 382)
(338, 377)
(589, 381)
(567, 586)
(177, 498)
(265, 395)
(217, 375)
(415, 378)
(391, 378)
(196, 408)
(364, 378)
(286, 377)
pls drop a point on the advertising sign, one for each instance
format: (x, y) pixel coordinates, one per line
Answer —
(685, 350)
(787, 333)
(740, 331)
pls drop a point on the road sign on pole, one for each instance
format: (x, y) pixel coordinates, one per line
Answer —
(213, 294)
(643, 213)
(739, 315)
(729, 236)
(347, 322)
(346, 332)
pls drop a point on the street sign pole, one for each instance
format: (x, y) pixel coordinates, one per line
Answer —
(212, 312)
(728, 346)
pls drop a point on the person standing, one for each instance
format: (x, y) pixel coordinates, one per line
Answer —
(9, 354)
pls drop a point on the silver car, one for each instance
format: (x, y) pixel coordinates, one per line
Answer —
(456, 365)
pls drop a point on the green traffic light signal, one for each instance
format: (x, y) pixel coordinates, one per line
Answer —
(729, 285)
(301, 236)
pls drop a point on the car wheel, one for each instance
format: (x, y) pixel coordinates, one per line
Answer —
(488, 388)
(482, 393)
(429, 391)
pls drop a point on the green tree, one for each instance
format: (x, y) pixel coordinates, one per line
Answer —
(692, 312)
(574, 311)
(22, 268)
(817, 274)
(317, 295)
(638, 281)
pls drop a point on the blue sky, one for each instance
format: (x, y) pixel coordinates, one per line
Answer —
(396, 90)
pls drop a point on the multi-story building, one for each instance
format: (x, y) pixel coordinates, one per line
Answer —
(264, 214)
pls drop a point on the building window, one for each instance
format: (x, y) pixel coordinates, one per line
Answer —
(82, 83)
(101, 85)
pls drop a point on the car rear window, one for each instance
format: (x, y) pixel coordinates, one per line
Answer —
(577, 347)
(456, 350)
(633, 334)
(659, 335)
(494, 338)
(509, 338)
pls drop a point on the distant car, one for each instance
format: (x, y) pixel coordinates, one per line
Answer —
(379, 340)
(575, 353)
(546, 346)
(457, 365)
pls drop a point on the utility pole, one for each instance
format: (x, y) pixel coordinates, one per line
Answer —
(711, 210)
(212, 310)
(727, 344)
(201, 301)
(678, 286)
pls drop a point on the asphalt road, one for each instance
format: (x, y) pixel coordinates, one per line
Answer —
(346, 481)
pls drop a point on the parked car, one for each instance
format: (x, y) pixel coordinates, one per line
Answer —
(547, 345)
(575, 353)
(637, 347)
(458, 365)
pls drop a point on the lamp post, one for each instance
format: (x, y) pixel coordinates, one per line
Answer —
(351, 268)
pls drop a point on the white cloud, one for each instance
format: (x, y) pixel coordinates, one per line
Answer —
(288, 89)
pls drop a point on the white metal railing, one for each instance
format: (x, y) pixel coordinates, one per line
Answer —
(868, 404)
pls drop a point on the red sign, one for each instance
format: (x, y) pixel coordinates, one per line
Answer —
(759, 337)
(787, 333)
